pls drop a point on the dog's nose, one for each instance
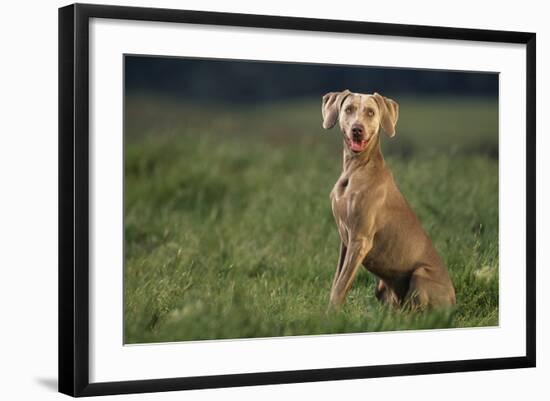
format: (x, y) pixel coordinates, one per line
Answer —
(357, 130)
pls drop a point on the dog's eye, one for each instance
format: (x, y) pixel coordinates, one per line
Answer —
(370, 113)
(348, 110)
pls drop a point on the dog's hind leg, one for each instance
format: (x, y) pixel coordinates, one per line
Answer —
(425, 292)
(386, 295)
(417, 297)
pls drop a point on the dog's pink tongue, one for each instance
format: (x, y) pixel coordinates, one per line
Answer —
(357, 146)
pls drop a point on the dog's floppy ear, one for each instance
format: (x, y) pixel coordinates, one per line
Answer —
(389, 110)
(330, 108)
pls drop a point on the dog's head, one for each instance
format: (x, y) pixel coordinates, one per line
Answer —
(360, 116)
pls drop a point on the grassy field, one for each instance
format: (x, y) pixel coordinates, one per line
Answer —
(229, 231)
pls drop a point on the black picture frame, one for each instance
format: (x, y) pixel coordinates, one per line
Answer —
(74, 198)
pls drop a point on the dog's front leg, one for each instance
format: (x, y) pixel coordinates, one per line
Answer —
(357, 250)
(341, 258)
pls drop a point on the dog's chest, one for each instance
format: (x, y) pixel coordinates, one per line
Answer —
(340, 188)
(344, 198)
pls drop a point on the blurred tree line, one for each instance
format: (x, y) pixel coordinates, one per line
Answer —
(218, 80)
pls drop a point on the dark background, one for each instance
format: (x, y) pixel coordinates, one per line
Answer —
(211, 80)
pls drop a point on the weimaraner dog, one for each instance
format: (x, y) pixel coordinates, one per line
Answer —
(377, 227)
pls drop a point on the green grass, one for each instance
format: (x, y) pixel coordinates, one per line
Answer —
(228, 225)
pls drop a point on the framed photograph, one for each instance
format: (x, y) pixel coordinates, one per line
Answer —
(250, 199)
